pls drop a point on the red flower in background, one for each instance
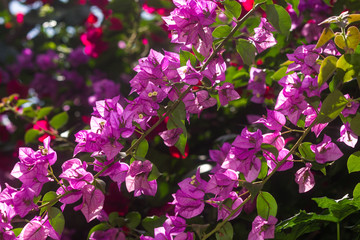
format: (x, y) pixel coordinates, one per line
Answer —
(94, 45)
(247, 4)
(116, 24)
(20, 18)
(92, 19)
(42, 125)
(174, 152)
(15, 86)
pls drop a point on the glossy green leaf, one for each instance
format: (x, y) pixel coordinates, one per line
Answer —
(355, 124)
(198, 55)
(279, 74)
(327, 69)
(343, 208)
(141, 149)
(21, 102)
(17, 231)
(44, 112)
(100, 227)
(346, 68)
(279, 18)
(356, 192)
(306, 152)
(263, 170)
(266, 205)
(233, 7)
(340, 40)
(270, 148)
(181, 144)
(115, 220)
(325, 36)
(353, 163)
(31, 135)
(154, 174)
(133, 219)
(177, 118)
(226, 232)
(56, 219)
(221, 31)
(150, 223)
(352, 37)
(338, 208)
(246, 50)
(254, 188)
(324, 202)
(353, 18)
(59, 120)
(304, 217)
(185, 56)
(332, 106)
(29, 112)
(49, 196)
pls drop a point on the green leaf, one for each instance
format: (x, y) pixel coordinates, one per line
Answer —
(304, 217)
(353, 163)
(355, 124)
(198, 55)
(356, 192)
(233, 7)
(101, 185)
(185, 56)
(21, 102)
(353, 18)
(266, 205)
(59, 120)
(226, 232)
(48, 197)
(44, 112)
(142, 149)
(254, 188)
(29, 112)
(263, 170)
(345, 68)
(181, 144)
(352, 37)
(325, 36)
(100, 227)
(133, 219)
(177, 118)
(324, 202)
(150, 223)
(199, 229)
(246, 50)
(327, 68)
(56, 219)
(17, 231)
(338, 208)
(279, 18)
(221, 31)
(31, 135)
(279, 74)
(332, 106)
(115, 220)
(306, 151)
(343, 208)
(154, 174)
(270, 148)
